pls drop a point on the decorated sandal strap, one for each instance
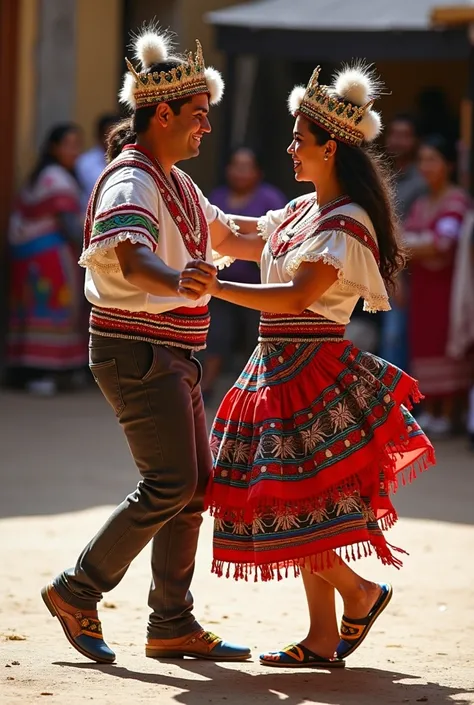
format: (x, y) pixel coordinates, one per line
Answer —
(350, 630)
(89, 625)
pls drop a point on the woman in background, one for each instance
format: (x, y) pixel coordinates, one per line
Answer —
(46, 334)
(432, 232)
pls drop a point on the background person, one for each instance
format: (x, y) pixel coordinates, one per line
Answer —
(47, 331)
(234, 328)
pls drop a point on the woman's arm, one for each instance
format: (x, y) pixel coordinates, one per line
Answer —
(311, 281)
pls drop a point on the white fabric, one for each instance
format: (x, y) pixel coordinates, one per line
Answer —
(461, 317)
(105, 285)
(358, 272)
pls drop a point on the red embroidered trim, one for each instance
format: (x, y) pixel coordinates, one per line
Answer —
(351, 227)
(183, 215)
(279, 247)
(305, 327)
(182, 327)
(176, 209)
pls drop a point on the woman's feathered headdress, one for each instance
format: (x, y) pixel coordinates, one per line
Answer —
(344, 108)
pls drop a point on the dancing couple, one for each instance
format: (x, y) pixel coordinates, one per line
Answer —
(311, 440)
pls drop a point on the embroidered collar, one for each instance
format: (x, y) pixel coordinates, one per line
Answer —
(182, 203)
(287, 237)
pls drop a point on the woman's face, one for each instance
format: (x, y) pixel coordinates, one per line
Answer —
(68, 149)
(433, 166)
(308, 156)
(243, 173)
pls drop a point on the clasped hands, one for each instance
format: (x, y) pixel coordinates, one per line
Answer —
(197, 279)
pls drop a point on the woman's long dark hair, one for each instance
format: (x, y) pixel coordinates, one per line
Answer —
(126, 131)
(54, 137)
(367, 180)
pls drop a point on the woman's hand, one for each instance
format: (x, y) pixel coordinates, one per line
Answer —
(197, 279)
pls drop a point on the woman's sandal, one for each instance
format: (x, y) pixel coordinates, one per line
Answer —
(298, 656)
(354, 631)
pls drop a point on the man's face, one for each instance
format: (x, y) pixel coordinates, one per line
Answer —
(401, 141)
(185, 130)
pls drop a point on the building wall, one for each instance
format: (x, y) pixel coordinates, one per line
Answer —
(186, 19)
(69, 64)
(99, 61)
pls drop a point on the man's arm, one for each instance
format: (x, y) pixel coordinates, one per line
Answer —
(246, 244)
(142, 268)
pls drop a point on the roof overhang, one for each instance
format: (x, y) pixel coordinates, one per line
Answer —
(338, 30)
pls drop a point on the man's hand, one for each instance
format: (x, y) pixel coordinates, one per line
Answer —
(198, 279)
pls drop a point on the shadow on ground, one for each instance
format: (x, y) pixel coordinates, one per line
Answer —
(68, 453)
(349, 687)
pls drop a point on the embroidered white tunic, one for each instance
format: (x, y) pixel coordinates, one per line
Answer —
(340, 234)
(134, 200)
(130, 207)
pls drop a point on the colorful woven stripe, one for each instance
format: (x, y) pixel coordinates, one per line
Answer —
(307, 446)
(304, 328)
(125, 218)
(183, 327)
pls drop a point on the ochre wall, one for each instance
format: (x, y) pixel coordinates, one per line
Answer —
(98, 51)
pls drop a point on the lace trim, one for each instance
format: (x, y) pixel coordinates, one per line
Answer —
(233, 227)
(262, 228)
(222, 261)
(90, 258)
(372, 302)
(294, 264)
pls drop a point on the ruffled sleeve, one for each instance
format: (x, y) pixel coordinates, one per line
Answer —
(127, 209)
(355, 261)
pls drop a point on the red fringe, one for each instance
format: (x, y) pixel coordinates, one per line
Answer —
(351, 485)
(317, 562)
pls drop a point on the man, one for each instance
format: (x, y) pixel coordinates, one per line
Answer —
(146, 220)
(401, 145)
(91, 164)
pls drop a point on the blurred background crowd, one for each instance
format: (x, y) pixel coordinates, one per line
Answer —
(61, 63)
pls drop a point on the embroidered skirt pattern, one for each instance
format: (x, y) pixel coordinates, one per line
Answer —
(308, 445)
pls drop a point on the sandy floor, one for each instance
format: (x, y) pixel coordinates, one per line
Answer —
(64, 465)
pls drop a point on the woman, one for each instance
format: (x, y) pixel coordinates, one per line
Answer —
(46, 333)
(246, 195)
(313, 436)
(433, 230)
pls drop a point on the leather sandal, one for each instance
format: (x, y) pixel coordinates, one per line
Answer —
(299, 656)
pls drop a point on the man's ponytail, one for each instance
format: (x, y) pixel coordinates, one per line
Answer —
(119, 136)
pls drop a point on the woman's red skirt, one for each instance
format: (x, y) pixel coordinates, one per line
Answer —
(308, 445)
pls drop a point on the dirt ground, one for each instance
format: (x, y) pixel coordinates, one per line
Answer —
(64, 465)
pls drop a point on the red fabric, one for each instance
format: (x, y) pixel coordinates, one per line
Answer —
(308, 446)
(47, 318)
(430, 297)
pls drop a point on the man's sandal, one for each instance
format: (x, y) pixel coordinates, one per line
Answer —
(298, 656)
(354, 631)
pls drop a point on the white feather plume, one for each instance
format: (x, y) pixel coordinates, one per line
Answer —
(370, 125)
(296, 98)
(127, 92)
(152, 47)
(357, 83)
(215, 84)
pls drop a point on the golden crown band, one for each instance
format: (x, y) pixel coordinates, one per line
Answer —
(338, 130)
(341, 119)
